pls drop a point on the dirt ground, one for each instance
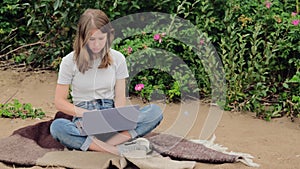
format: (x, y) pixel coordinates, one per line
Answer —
(274, 145)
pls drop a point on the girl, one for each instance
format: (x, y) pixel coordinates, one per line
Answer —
(97, 76)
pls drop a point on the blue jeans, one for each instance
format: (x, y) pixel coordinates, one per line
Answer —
(67, 133)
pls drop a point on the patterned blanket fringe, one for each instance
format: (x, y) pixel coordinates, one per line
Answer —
(243, 157)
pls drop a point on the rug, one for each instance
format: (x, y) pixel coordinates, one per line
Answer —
(33, 145)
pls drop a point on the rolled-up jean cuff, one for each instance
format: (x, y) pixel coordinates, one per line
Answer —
(133, 133)
(87, 143)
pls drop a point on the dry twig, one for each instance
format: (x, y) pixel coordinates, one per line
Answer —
(20, 47)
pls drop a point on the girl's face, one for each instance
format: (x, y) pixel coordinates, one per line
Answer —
(97, 41)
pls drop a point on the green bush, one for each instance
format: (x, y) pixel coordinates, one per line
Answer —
(259, 51)
(19, 110)
(258, 43)
(155, 65)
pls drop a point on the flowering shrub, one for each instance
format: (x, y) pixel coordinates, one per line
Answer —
(259, 47)
(160, 80)
(264, 45)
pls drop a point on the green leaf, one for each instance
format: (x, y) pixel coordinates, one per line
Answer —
(285, 85)
(57, 4)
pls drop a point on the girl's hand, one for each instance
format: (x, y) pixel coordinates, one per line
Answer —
(79, 111)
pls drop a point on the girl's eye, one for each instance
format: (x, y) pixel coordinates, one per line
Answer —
(92, 39)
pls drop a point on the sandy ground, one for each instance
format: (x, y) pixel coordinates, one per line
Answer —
(274, 145)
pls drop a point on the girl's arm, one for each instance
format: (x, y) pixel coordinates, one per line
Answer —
(62, 104)
(120, 96)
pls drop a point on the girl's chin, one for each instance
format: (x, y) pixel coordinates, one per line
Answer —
(96, 51)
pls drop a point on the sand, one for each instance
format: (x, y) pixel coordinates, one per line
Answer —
(274, 144)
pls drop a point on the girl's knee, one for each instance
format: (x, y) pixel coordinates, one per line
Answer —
(156, 111)
(57, 126)
(152, 112)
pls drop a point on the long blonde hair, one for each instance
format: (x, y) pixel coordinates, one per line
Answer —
(89, 20)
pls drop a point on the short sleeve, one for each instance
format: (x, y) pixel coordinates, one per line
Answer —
(66, 68)
(120, 64)
(122, 71)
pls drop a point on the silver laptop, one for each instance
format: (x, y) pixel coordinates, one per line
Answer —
(110, 120)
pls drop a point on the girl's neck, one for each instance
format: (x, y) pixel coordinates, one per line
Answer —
(95, 56)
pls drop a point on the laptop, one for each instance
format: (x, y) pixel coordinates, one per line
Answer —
(110, 120)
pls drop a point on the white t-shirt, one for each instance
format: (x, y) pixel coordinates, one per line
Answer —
(95, 83)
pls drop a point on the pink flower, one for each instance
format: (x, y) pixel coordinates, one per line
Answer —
(294, 13)
(268, 4)
(139, 87)
(160, 40)
(129, 50)
(201, 42)
(296, 22)
(156, 37)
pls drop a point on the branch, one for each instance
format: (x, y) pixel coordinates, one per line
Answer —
(290, 102)
(20, 47)
(5, 48)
